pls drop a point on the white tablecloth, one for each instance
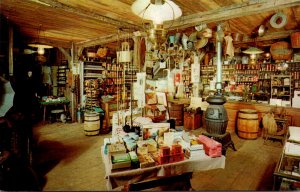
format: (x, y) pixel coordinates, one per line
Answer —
(200, 163)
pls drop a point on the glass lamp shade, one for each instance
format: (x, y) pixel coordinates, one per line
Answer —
(40, 47)
(158, 12)
(253, 50)
(37, 45)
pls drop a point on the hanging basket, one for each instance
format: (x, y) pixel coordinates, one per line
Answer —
(281, 51)
(295, 40)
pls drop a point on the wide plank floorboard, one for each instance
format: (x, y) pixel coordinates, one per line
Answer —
(65, 159)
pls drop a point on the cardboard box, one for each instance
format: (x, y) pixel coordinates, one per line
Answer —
(165, 151)
(163, 160)
(121, 160)
(176, 149)
(176, 158)
(146, 161)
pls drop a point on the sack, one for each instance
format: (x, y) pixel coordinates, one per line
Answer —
(125, 55)
(269, 123)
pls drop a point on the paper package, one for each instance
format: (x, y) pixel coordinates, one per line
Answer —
(212, 148)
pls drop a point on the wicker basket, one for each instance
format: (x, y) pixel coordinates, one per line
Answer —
(281, 51)
(295, 40)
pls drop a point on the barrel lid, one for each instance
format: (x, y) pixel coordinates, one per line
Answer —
(248, 111)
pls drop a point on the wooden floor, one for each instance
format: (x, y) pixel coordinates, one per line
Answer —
(66, 159)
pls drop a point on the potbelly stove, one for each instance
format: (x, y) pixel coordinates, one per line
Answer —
(216, 118)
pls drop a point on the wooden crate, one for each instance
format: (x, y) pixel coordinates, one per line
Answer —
(176, 113)
(192, 120)
(109, 107)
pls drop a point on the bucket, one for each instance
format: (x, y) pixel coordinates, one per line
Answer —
(91, 123)
(247, 124)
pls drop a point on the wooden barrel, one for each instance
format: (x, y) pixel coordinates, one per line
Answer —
(91, 123)
(247, 124)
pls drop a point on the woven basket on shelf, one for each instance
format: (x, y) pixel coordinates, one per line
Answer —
(281, 51)
(295, 40)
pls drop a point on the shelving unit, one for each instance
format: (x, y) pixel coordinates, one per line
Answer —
(104, 77)
(62, 77)
(186, 79)
(207, 73)
(257, 76)
(294, 70)
(93, 75)
(281, 87)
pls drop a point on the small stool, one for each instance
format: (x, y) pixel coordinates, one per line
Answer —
(224, 139)
(56, 113)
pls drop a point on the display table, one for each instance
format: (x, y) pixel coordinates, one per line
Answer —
(287, 171)
(121, 178)
(45, 104)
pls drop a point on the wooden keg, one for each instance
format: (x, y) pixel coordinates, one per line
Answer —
(176, 113)
(247, 124)
(91, 123)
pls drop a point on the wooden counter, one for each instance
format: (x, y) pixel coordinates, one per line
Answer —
(232, 108)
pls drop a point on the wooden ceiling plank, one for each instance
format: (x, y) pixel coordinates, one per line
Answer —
(105, 40)
(57, 5)
(233, 11)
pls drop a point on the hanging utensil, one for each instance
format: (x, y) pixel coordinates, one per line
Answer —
(261, 30)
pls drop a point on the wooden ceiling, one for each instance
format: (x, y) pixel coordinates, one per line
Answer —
(97, 22)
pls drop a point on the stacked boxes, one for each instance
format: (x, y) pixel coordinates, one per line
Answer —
(168, 155)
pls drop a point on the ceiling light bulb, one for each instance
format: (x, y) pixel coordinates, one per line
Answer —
(158, 12)
(252, 56)
(41, 51)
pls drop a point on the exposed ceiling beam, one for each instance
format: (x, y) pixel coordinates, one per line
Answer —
(233, 11)
(54, 43)
(270, 36)
(57, 5)
(104, 40)
(217, 15)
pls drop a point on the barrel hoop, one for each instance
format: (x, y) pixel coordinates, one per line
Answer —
(248, 118)
(91, 130)
(216, 120)
(252, 132)
(248, 112)
(91, 120)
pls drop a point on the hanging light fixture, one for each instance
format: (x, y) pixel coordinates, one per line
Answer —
(158, 11)
(40, 47)
(253, 52)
